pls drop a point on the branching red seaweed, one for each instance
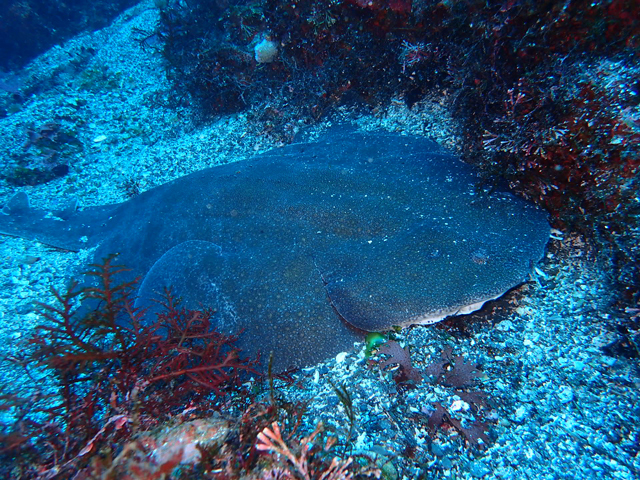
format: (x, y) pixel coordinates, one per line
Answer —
(119, 372)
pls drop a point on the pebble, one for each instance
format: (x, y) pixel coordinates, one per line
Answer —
(505, 326)
(478, 470)
(341, 357)
(565, 394)
(520, 414)
(459, 405)
(437, 450)
(579, 365)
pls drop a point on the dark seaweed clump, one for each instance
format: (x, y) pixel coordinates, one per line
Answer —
(44, 156)
(449, 371)
(547, 92)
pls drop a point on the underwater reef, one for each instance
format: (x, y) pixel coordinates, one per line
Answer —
(547, 92)
(540, 382)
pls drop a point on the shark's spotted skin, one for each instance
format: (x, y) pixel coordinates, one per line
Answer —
(306, 246)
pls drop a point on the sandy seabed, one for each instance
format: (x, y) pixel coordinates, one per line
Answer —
(559, 407)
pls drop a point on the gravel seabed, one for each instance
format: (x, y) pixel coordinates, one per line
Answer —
(560, 408)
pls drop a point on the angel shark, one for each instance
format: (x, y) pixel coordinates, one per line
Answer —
(309, 246)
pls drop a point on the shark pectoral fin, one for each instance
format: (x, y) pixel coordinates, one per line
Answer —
(191, 272)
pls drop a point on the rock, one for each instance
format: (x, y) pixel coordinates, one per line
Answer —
(478, 470)
(565, 394)
(520, 414)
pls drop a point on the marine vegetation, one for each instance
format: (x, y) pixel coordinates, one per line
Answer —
(45, 155)
(115, 375)
(449, 371)
(139, 399)
(134, 397)
(546, 92)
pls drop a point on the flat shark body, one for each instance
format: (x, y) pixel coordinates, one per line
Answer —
(308, 247)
